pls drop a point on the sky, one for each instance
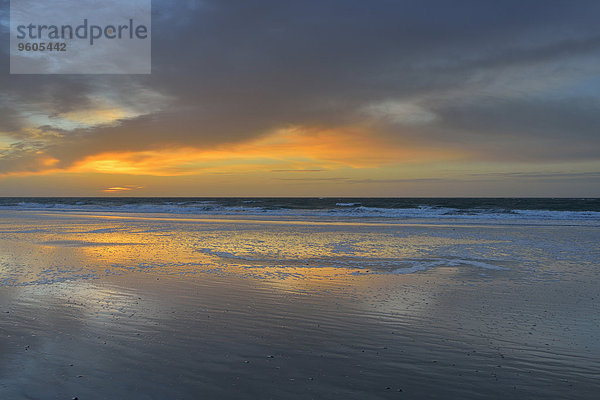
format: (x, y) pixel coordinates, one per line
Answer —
(322, 98)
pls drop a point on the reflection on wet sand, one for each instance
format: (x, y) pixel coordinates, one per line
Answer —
(160, 308)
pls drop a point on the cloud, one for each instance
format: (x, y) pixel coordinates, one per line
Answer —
(297, 149)
(298, 170)
(527, 128)
(539, 175)
(401, 113)
(359, 84)
(119, 189)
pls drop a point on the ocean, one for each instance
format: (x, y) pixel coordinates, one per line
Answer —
(472, 208)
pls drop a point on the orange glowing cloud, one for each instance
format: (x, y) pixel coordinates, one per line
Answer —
(117, 189)
(286, 149)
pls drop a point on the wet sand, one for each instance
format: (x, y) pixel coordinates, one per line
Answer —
(164, 307)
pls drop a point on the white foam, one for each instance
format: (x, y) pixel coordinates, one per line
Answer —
(423, 265)
(343, 210)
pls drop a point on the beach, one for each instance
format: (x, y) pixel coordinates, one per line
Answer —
(100, 303)
(295, 200)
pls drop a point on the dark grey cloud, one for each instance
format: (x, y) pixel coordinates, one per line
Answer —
(575, 119)
(520, 128)
(232, 70)
(9, 119)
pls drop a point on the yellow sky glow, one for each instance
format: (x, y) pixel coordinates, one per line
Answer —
(291, 149)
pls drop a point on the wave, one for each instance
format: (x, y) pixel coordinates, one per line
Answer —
(299, 208)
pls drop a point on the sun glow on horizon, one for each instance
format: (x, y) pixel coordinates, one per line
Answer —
(287, 149)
